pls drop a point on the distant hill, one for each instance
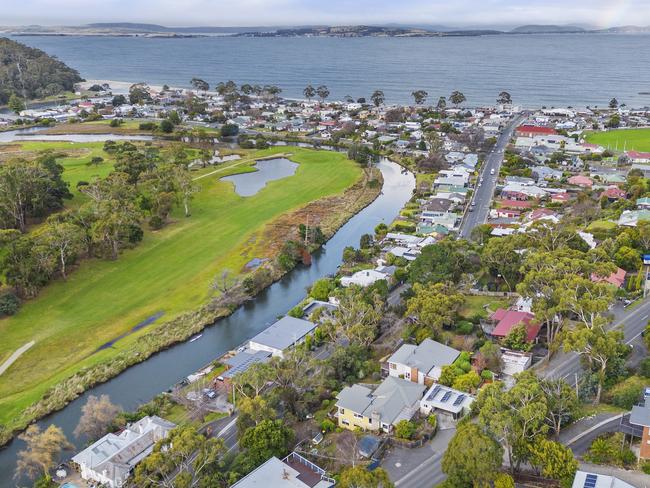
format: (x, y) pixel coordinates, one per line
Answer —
(546, 29)
(154, 28)
(30, 73)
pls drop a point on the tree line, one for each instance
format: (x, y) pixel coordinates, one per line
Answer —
(144, 186)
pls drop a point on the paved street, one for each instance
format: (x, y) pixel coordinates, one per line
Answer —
(484, 191)
(633, 320)
(421, 467)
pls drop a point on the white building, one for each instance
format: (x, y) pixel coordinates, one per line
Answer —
(294, 471)
(422, 362)
(365, 277)
(283, 334)
(593, 480)
(447, 401)
(110, 460)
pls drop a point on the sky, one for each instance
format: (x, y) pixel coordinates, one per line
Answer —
(456, 13)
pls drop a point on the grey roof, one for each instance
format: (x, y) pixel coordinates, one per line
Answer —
(390, 399)
(641, 415)
(425, 356)
(284, 333)
(243, 360)
(117, 454)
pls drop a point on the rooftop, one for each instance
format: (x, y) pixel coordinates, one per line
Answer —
(425, 356)
(283, 333)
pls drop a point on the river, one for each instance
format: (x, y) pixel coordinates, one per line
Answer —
(544, 69)
(142, 382)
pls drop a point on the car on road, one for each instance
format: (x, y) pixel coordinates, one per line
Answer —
(492, 171)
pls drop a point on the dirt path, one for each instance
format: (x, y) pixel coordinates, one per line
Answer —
(243, 161)
(16, 354)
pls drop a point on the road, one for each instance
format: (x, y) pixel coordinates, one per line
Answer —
(633, 321)
(484, 191)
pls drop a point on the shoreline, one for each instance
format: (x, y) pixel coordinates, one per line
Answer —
(178, 329)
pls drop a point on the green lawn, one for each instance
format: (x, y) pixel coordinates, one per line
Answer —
(170, 272)
(475, 304)
(617, 140)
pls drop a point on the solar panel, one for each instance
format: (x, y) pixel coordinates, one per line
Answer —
(433, 394)
(590, 481)
(459, 400)
(446, 397)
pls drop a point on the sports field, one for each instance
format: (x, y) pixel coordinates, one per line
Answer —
(622, 139)
(170, 271)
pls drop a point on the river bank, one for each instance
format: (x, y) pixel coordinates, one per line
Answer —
(141, 382)
(334, 210)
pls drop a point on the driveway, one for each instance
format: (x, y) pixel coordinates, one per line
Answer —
(420, 467)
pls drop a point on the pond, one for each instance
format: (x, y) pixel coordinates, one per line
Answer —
(248, 184)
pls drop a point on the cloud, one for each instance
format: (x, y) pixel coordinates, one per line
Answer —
(294, 12)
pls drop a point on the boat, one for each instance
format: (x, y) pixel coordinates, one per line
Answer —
(196, 338)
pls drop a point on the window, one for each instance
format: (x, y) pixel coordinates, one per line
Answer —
(345, 422)
(358, 416)
(393, 366)
(341, 411)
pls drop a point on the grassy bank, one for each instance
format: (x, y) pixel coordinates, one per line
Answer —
(618, 140)
(169, 272)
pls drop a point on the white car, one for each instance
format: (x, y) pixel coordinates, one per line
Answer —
(492, 171)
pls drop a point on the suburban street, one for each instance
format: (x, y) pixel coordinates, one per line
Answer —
(633, 320)
(484, 191)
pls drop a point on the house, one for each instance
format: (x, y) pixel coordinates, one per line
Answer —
(422, 363)
(241, 361)
(447, 401)
(613, 193)
(640, 417)
(534, 131)
(365, 277)
(514, 195)
(506, 320)
(507, 213)
(581, 180)
(643, 203)
(515, 204)
(546, 173)
(515, 362)
(379, 409)
(630, 218)
(638, 157)
(540, 213)
(584, 479)
(110, 460)
(560, 197)
(294, 471)
(286, 332)
(617, 278)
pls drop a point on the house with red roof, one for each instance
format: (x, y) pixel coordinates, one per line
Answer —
(506, 320)
(613, 193)
(508, 213)
(514, 195)
(540, 213)
(617, 278)
(638, 157)
(560, 197)
(534, 130)
(515, 204)
(581, 180)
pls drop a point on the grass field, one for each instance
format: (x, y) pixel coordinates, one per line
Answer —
(170, 271)
(475, 304)
(618, 140)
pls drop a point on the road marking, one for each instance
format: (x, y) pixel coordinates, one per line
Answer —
(591, 429)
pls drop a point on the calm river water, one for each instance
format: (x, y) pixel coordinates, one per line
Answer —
(142, 382)
(548, 69)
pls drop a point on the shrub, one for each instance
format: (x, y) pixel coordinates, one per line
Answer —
(405, 429)
(464, 327)
(327, 425)
(321, 289)
(296, 312)
(433, 421)
(148, 126)
(9, 304)
(467, 382)
(156, 222)
(115, 122)
(487, 375)
(167, 126)
(504, 480)
(645, 467)
(608, 449)
(644, 368)
(627, 393)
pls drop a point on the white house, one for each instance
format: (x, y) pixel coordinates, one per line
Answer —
(446, 400)
(365, 277)
(286, 332)
(422, 363)
(110, 460)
